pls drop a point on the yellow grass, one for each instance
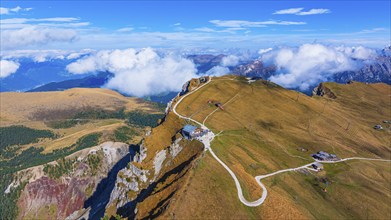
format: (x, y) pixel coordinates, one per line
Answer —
(262, 126)
(22, 108)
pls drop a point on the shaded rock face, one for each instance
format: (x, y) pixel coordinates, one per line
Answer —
(65, 196)
(322, 90)
(129, 178)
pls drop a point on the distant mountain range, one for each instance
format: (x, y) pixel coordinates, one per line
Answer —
(32, 74)
(378, 71)
(93, 81)
(205, 62)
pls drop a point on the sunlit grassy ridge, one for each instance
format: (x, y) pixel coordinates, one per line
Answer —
(263, 126)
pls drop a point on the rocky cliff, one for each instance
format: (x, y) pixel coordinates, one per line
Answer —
(61, 188)
(158, 170)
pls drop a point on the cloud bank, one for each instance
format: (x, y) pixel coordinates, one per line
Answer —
(44, 55)
(7, 68)
(299, 11)
(33, 36)
(5, 11)
(310, 64)
(223, 67)
(138, 73)
(249, 24)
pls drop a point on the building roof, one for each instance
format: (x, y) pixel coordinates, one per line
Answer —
(323, 153)
(189, 128)
(318, 164)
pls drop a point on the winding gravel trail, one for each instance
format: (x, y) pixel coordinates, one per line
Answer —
(208, 138)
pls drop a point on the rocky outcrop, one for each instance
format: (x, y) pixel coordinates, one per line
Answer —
(322, 90)
(46, 197)
(128, 179)
(141, 154)
(175, 148)
(162, 173)
(158, 161)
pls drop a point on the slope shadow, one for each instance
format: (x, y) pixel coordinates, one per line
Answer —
(98, 201)
(128, 210)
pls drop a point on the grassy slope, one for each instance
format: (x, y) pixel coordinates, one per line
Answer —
(263, 125)
(27, 108)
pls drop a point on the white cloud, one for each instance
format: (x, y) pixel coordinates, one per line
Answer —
(125, 29)
(17, 33)
(138, 73)
(299, 11)
(312, 63)
(33, 36)
(288, 11)
(359, 52)
(205, 29)
(75, 55)
(373, 30)
(58, 22)
(31, 20)
(7, 68)
(217, 71)
(249, 24)
(226, 62)
(5, 11)
(230, 60)
(177, 24)
(315, 11)
(262, 51)
(44, 55)
(225, 30)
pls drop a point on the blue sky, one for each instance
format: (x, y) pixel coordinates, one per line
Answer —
(192, 24)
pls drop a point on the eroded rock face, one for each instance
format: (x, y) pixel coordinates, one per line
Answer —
(48, 198)
(65, 196)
